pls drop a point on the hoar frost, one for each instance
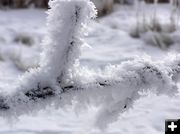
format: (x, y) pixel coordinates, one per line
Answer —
(61, 81)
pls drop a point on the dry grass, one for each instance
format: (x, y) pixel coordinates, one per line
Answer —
(155, 33)
(24, 39)
(1, 57)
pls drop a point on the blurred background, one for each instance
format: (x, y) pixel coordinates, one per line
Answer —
(103, 6)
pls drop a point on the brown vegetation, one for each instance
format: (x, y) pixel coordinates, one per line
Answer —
(23, 3)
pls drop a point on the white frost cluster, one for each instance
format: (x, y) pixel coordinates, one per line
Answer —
(117, 87)
(66, 24)
(61, 81)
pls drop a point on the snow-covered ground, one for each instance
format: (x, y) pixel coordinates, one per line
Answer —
(21, 32)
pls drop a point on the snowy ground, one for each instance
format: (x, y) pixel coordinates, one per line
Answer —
(110, 43)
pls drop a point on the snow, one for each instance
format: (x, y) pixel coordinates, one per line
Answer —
(110, 43)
